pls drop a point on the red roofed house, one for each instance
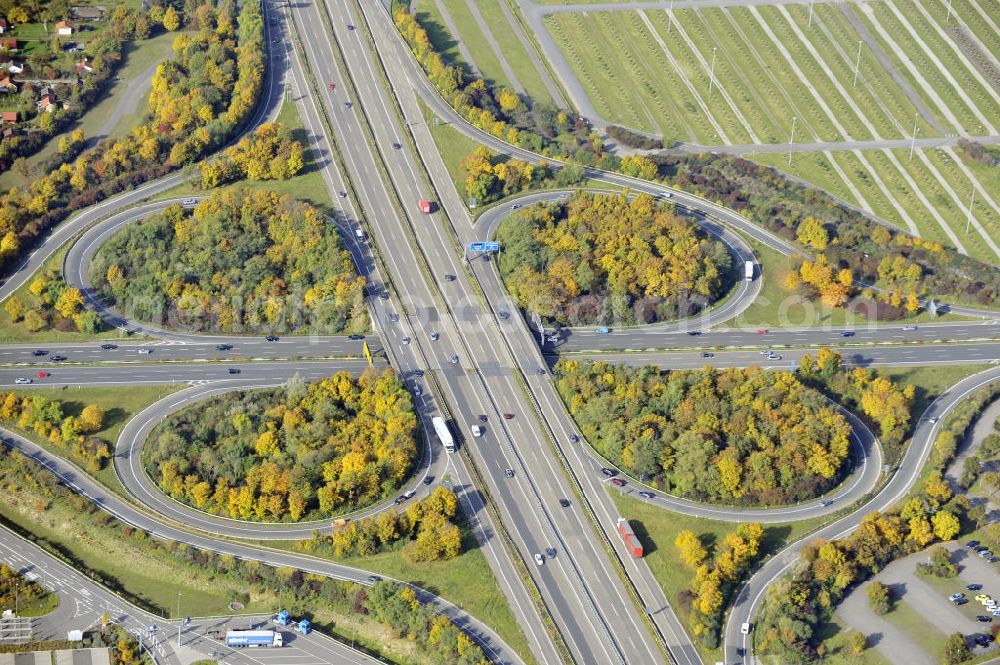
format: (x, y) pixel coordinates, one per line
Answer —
(83, 68)
(65, 28)
(9, 117)
(47, 103)
(8, 43)
(6, 85)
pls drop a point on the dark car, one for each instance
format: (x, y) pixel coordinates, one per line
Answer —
(647, 495)
(509, 472)
(618, 482)
(449, 277)
(109, 347)
(550, 552)
(356, 337)
(980, 548)
(58, 358)
(234, 370)
(483, 418)
(982, 618)
(504, 314)
(610, 473)
(972, 543)
(847, 333)
(223, 347)
(374, 578)
(396, 146)
(961, 601)
(993, 559)
(540, 371)
(393, 317)
(508, 416)
(564, 503)
(418, 372)
(707, 354)
(981, 640)
(974, 587)
(39, 352)
(574, 438)
(350, 27)
(428, 480)
(694, 333)
(271, 338)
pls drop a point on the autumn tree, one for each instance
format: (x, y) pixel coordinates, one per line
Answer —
(171, 20)
(689, 546)
(879, 597)
(956, 650)
(812, 233)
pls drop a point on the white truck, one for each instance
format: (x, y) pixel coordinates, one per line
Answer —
(253, 638)
(443, 433)
(749, 270)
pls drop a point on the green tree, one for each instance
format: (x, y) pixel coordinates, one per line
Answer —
(955, 650)
(879, 597)
(171, 21)
(857, 641)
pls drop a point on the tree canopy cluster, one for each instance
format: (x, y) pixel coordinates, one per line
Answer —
(883, 404)
(48, 420)
(426, 531)
(302, 450)
(12, 582)
(602, 258)
(806, 597)
(717, 577)
(51, 304)
(242, 260)
(741, 436)
(199, 99)
(269, 153)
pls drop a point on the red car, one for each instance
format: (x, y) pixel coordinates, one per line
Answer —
(42, 375)
(508, 416)
(618, 482)
(331, 86)
(761, 331)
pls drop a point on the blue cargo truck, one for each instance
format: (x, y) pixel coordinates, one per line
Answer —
(253, 638)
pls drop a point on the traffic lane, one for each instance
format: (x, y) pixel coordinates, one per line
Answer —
(930, 354)
(902, 480)
(84, 375)
(233, 348)
(690, 335)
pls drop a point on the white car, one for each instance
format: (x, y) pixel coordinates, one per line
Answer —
(145, 352)
(22, 379)
(189, 203)
(745, 628)
(539, 559)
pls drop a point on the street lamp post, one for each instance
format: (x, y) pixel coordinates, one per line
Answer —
(179, 622)
(711, 80)
(670, 17)
(857, 64)
(791, 139)
(810, 23)
(913, 136)
(968, 217)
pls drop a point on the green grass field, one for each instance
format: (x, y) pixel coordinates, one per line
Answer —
(918, 628)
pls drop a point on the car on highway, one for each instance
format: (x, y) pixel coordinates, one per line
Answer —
(356, 337)
(509, 472)
(406, 340)
(564, 503)
(343, 195)
(909, 328)
(508, 416)
(417, 390)
(449, 277)
(745, 628)
(374, 578)
(331, 86)
(271, 338)
(393, 317)
(503, 314)
(57, 358)
(39, 352)
(550, 552)
(428, 480)
(234, 370)
(418, 372)
(145, 352)
(774, 356)
(347, 105)
(610, 473)
(514, 206)
(223, 347)
(109, 347)
(973, 587)
(540, 371)
(847, 333)
(574, 438)
(396, 146)
(22, 380)
(434, 336)
(189, 203)
(350, 27)
(454, 360)
(765, 352)
(43, 375)
(707, 354)
(603, 331)
(483, 418)
(694, 333)
(618, 482)
(539, 559)
(762, 331)
(932, 420)
(647, 495)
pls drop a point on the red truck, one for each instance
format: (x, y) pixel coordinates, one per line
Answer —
(425, 206)
(631, 540)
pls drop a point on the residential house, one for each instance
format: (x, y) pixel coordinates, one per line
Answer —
(65, 28)
(83, 67)
(9, 117)
(95, 13)
(15, 67)
(4, 26)
(7, 85)
(47, 103)
(8, 44)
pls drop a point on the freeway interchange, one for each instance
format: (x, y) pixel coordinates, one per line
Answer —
(606, 606)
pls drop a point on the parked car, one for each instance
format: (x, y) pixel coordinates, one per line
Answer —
(974, 587)
(993, 559)
(982, 618)
(618, 482)
(955, 596)
(961, 601)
